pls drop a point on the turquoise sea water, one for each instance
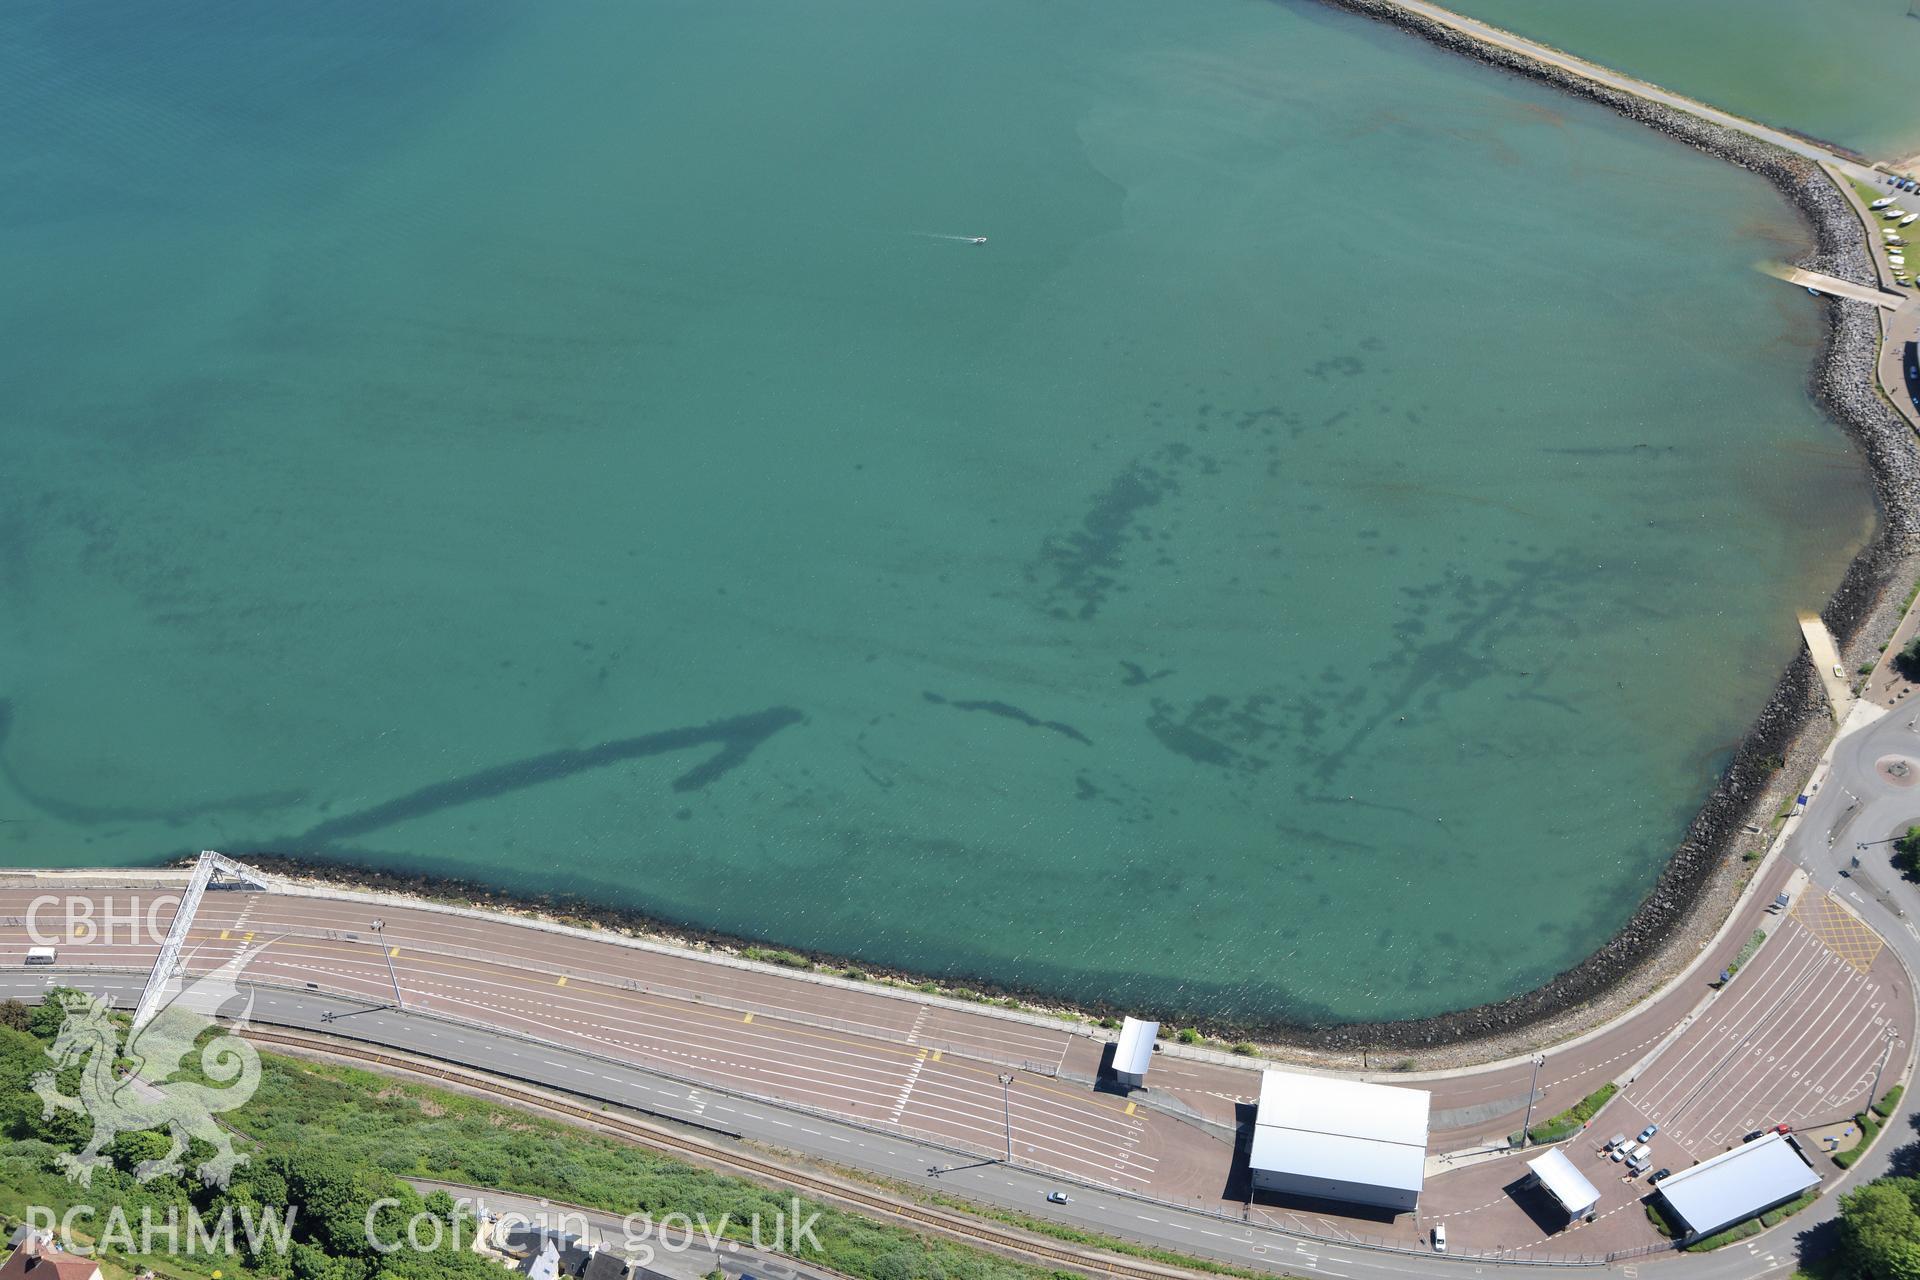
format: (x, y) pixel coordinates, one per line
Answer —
(1310, 562)
(1845, 71)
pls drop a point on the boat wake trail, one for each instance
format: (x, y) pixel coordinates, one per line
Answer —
(933, 235)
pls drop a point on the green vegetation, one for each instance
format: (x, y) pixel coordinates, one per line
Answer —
(1889, 1102)
(1866, 193)
(1907, 661)
(773, 955)
(1738, 1231)
(1774, 1217)
(1869, 1130)
(1187, 1035)
(334, 1139)
(1657, 1218)
(1906, 852)
(1245, 1050)
(1880, 1231)
(1746, 952)
(335, 1192)
(1572, 1120)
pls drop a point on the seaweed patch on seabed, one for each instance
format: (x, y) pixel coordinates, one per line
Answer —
(1085, 565)
(1213, 730)
(1010, 712)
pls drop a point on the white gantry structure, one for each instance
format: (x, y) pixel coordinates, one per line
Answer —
(210, 867)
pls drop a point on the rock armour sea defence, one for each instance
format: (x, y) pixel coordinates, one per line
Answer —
(1844, 381)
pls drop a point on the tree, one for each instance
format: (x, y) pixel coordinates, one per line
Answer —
(13, 1015)
(44, 1019)
(1880, 1229)
(1907, 661)
(1906, 852)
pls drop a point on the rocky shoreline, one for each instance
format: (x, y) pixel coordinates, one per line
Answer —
(1705, 875)
(1690, 899)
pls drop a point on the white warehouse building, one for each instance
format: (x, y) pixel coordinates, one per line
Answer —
(1340, 1140)
(1736, 1185)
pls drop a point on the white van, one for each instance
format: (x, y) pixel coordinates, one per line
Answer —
(40, 955)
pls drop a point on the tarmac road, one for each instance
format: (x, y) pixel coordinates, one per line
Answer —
(1861, 798)
(710, 1110)
(1855, 802)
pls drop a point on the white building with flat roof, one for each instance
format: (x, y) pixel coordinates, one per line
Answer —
(1340, 1140)
(1133, 1051)
(1557, 1176)
(1736, 1185)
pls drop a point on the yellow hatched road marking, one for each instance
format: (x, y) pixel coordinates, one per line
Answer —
(936, 1055)
(225, 934)
(1130, 1107)
(562, 982)
(394, 952)
(748, 1018)
(1839, 929)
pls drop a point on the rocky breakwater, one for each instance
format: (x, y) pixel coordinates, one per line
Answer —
(1791, 729)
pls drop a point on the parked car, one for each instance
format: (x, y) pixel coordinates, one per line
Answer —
(1782, 1128)
(1614, 1143)
(1646, 1134)
(1755, 1136)
(1637, 1166)
(1641, 1154)
(1657, 1175)
(1439, 1237)
(1619, 1152)
(1058, 1197)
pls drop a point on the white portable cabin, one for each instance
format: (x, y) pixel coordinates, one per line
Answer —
(1133, 1051)
(1566, 1184)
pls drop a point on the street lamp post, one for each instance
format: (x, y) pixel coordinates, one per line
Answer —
(1873, 1094)
(1526, 1127)
(379, 932)
(1006, 1109)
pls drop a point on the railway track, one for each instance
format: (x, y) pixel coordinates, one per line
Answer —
(1001, 1240)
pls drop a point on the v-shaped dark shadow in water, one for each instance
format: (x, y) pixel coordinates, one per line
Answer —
(735, 737)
